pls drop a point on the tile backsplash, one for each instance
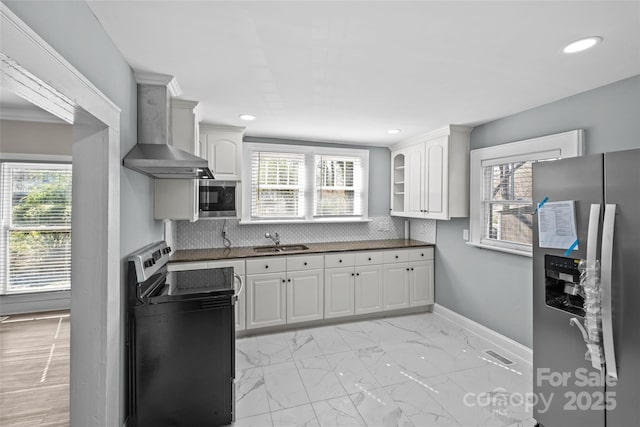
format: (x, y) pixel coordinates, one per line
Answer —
(208, 233)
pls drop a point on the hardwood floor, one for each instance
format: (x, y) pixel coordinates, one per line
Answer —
(34, 370)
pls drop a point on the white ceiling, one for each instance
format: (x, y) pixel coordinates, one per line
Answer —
(348, 71)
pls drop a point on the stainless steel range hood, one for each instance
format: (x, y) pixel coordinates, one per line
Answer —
(165, 161)
(153, 155)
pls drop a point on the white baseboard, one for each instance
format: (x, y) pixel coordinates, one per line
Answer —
(524, 353)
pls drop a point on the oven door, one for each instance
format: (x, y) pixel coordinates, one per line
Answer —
(217, 199)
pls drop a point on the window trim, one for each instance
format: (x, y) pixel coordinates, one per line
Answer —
(310, 151)
(561, 145)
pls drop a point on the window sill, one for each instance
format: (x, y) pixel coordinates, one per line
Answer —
(499, 249)
(305, 221)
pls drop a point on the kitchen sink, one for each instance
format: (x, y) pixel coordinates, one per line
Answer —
(266, 249)
(287, 248)
(276, 249)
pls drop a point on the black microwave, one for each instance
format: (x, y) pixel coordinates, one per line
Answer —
(217, 198)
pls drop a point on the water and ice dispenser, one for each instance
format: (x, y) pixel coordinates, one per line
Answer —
(562, 284)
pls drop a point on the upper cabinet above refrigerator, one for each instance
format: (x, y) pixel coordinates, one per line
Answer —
(430, 175)
(222, 147)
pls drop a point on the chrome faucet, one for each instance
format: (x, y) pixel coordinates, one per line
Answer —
(276, 239)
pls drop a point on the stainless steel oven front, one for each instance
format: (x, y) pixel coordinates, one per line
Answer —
(217, 199)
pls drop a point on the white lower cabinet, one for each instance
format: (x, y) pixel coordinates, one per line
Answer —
(368, 289)
(304, 295)
(298, 288)
(420, 283)
(266, 300)
(339, 292)
(395, 290)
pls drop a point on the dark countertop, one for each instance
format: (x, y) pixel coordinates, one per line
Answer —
(216, 254)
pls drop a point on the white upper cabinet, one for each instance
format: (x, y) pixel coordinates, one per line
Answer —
(178, 198)
(430, 175)
(222, 147)
(185, 123)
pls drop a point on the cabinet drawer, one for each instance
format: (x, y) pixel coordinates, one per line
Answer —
(238, 265)
(396, 256)
(266, 265)
(305, 262)
(182, 266)
(369, 258)
(344, 259)
(420, 254)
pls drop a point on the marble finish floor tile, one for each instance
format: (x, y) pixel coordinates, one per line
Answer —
(302, 344)
(352, 373)
(319, 379)
(415, 370)
(338, 412)
(377, 409)
(247, 354)
(299, 416)
(284, 386)
(329, 340)
(251, 393)
(263, 420)
(273, 349)
(415, 400)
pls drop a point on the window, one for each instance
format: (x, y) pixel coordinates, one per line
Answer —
(35, 245)
(277, 185)
(502, 185)
(305, 183)
(338, 186)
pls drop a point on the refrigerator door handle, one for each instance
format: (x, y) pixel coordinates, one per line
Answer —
(607, 265)
(575, 322)
(592, 232)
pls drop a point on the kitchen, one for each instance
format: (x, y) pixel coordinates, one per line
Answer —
(500, 302)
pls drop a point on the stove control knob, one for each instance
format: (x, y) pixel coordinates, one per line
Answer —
(148, 263)
(166, 250)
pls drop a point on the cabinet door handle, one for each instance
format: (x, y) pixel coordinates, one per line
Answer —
(305, 263)
(353, 274)
(411, 268)
(396, 256)
(421, 254)
(266, 266)
(283, 281)
(407, 269)
(357, 274)
(288, 280)
(339, 260)
(369, 259)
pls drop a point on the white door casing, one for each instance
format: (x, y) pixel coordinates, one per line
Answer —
(33, 68)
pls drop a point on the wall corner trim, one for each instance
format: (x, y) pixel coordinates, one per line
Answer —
(524, 353)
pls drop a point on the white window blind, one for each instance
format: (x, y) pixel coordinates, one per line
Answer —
(507, 203)
(35, 245)
(277, 184)
(338, 186)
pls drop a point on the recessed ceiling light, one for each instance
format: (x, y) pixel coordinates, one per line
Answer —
(582, 44)
(392, 131)
(247, 116)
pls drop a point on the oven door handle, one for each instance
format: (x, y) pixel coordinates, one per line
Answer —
(239, 279)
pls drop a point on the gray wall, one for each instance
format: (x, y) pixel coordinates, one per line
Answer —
(24, 137)
(71, 28)
(493, 288)
(379, 172)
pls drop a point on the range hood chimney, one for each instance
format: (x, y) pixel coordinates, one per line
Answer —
(153, 156)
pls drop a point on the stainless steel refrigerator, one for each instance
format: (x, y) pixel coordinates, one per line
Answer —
(606, 191)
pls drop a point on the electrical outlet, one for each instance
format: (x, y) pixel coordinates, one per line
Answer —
(383, 225)
(465, 235)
